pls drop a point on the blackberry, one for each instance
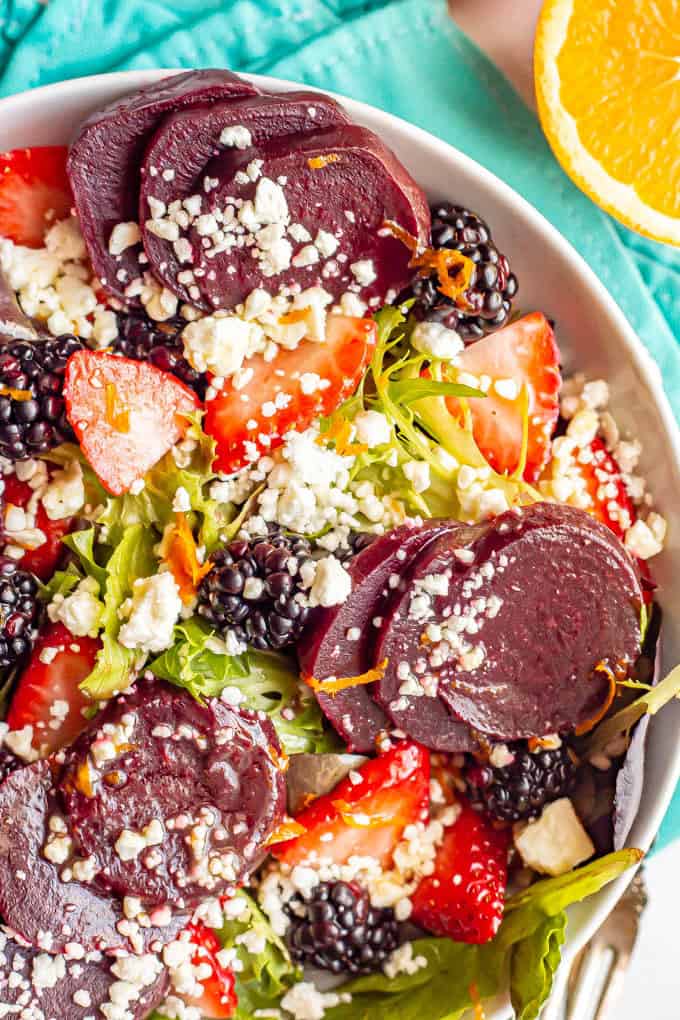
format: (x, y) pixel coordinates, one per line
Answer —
(161, 345)
(251, 590)
(493, 285)
(18, 612)
(337, 929)
(357, 542)
(521, 789)
(37, 423)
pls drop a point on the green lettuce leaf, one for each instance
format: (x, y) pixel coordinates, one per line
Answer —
(198, 661)
(82, 544)
(648, 703)
(133, 558)
(153, 505)
(533, 964)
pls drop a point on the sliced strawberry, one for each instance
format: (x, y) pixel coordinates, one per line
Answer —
(34, 192)
(603, 483)
(43, 560)
(366, 817)
(218, 999)
(251, 421)
(126, 414)
(463, 897)
(524, 354)
(47, 696)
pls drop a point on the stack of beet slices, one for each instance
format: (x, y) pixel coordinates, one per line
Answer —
(106, 848)
(204, 142)
(499, 631)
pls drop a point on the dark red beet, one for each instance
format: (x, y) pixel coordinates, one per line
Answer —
(34, 901)
(210, 777)
(324, 649)
(548, 594)
(24, 983)
(338, 177)
(106, 154)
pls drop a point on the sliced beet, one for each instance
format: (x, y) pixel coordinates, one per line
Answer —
(208, 779)
(56, 988)
(34, 901)
(537, 600)
(327, 647)
(105, 157)
(334, 176)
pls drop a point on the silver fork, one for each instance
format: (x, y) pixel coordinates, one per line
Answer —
(590, 989)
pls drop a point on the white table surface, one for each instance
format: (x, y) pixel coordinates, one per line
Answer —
(505, 29)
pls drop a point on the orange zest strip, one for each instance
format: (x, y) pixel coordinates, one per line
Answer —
(476, 1002)
(319, 162)
(182, 558)
(439, 260)
(591, 723)
(340, 433)
(7, 391)
(342, 683)
(358, 819)
(288, 829)
(296, 315)
(116, 416)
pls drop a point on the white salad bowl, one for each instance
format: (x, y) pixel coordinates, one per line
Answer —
(593, 334)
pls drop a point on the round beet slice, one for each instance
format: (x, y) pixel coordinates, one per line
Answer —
(264, 176)
(173, 799)
(34, 900)
(340, 641)
(534, 608)
(43, 986)
(106, 154)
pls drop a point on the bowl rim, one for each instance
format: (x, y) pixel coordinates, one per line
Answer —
(633, 348)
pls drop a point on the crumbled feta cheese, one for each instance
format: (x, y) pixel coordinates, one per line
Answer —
(373, 428)
(641, 541)
(219, 344)
(81, 611)
(123, 236)
(151, 613)
(402, 961)
(236, 137)
(418, 474)
(305, 1002)
(435, 340)
(65, 494)
(556, 842)
(363, 272)
(332, 583)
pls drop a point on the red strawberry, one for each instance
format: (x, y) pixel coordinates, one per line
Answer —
(218, 999)
(463, 897)
(525, 354)
(126, 414)
(249, 422)
(58, 664)
(44, 560)
(367, 817)
(609, 499)
(34, 192)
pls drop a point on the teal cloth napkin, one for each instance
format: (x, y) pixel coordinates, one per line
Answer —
(405, 56)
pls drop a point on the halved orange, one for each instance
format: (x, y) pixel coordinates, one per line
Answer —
(607, 76)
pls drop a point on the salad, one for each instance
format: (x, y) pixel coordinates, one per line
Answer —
(327, 626)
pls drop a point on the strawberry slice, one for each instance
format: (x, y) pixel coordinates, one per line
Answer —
(463, 897)
(365, 816)
(43, 560)
(34, 192)
(601, 480)
(218, 999)
(281, 396)
(524, 354)
(126, 414)
(47, 696)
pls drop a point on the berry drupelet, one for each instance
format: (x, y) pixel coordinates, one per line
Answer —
(338, 930)
(493, 285)
(32, 413)
(19, 612)
(255, 590)
(159, 343)
(521, 789)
